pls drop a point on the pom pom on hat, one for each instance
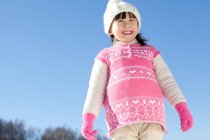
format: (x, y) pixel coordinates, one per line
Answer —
(115, 7)
(114, 1)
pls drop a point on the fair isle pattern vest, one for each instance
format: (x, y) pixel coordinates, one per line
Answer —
(132, 94)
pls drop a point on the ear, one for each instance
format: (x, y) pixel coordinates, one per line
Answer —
(110, 32)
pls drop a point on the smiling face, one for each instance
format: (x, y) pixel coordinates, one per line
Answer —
(124, 27)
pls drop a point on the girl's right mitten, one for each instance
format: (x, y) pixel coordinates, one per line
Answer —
(87, 126)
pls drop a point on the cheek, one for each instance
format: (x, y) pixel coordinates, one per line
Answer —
(136, 27)
(115, 29)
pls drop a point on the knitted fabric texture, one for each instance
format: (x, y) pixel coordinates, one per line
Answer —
(133, 94)
(87, 126)
(185, 116)
(114, 7)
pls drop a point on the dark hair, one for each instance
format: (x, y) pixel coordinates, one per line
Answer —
(139, 37)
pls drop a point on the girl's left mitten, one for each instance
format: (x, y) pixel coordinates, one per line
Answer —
(87, 126)
(185, 116)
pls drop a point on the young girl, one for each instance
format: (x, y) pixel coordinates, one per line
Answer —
(131, 80)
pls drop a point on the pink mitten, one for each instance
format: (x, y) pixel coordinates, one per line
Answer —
(87, 126)
(185, 116)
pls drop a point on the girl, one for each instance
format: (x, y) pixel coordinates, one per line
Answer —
(131, 80)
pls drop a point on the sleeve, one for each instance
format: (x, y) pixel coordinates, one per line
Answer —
(166, 81)
(96, 89)
(102, 56)
(155, 52)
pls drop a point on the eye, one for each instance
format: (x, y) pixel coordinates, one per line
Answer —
(120, 20)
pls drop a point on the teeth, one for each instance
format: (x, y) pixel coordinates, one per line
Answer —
(126, 32)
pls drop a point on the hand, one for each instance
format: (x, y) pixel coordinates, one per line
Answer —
(87, 126)
(185, 116)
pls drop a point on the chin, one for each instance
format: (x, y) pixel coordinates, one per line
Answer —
(127, 41)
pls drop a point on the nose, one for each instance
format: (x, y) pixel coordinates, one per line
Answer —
(126, 24)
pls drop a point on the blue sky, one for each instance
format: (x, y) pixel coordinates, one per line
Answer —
(47, 49)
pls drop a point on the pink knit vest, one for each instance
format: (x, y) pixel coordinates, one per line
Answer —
(132, 94)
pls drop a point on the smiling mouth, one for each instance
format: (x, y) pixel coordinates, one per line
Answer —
(127, 33)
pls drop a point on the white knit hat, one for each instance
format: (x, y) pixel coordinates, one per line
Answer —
(114, 7)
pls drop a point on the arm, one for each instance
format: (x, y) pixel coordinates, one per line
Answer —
(167, 83)
(94, 99)
(172, 92)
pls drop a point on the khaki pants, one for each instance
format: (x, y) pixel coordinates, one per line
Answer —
(141, 131)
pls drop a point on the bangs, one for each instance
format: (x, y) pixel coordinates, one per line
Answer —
(123, 15)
